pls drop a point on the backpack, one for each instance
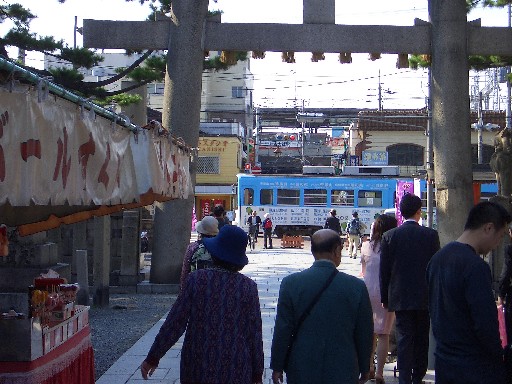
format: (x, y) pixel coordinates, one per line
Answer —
(354, 227)
(201, 258)
(267, 224)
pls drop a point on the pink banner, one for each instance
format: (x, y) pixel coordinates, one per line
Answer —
(402, 188)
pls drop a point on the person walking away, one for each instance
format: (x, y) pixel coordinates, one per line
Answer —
(219, 312)
(505, 299)
(382, 319)
(219, 213)
(404, 255)
(254, 222)
(354, 230)
(196, 255)
(461, 301)
(324, 329)
(333, 222)
(267, 231)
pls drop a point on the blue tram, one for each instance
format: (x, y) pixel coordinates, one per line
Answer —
(300, 204)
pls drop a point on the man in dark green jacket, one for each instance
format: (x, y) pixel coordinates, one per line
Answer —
(334, 342)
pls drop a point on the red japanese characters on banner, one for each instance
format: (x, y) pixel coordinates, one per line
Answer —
(56, 156)
(205, 208)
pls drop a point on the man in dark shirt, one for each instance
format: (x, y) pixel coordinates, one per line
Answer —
(333, 222)
(461, 302)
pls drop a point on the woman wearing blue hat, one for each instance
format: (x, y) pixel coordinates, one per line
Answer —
(220, 310)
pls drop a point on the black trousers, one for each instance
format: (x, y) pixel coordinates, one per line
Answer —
(412, 330)
(267, 234)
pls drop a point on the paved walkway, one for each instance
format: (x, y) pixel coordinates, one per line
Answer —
(267, 267)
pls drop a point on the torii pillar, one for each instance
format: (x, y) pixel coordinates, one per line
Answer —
(448, 38)
(450, 116)
(181, 113)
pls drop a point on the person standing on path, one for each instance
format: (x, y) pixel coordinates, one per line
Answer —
(267, 231)
(333, 222)
(382, 319)
(254, 222)
(334, 341)
(219, 309)
(461, 301)
(354, 231)
(405, 253)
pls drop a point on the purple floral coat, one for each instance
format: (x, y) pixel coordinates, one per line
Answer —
(220, 312)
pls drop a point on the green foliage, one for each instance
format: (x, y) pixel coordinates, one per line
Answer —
(62, 75)
(418, 61)
(122, 99)
(81, 57)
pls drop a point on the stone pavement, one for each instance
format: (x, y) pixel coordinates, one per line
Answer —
(267, 267)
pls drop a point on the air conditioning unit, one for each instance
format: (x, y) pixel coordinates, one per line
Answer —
(368, 170)
(317, 170)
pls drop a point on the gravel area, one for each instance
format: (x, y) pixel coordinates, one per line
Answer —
(116, 328)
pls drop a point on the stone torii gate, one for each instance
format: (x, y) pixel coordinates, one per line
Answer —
(447, 37)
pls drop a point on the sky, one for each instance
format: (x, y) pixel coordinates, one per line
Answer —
(276, 84)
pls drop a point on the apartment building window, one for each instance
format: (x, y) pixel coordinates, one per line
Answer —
(208, 165)
(237, 92)
(155, 88)
(405, 154)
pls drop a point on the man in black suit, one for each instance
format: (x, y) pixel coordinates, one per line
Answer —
(405, 254)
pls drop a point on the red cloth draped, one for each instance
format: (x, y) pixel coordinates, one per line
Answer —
(71, 362)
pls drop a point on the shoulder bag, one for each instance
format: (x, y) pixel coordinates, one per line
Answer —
(293, 336)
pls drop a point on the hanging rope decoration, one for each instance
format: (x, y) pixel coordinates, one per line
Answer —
(374, 56)
(258, 54)
(317, 56)
(345, 57)
(288, 57)
(228, 57)
(402, 61)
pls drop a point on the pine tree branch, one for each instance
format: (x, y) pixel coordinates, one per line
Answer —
(127, 70)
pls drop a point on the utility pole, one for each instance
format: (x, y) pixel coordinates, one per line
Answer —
(480, 126)
(74, 32)
(257, 137)
(303, 141)
(380, 94)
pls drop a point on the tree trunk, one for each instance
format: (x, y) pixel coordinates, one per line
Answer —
(181, 111)
(450, 116)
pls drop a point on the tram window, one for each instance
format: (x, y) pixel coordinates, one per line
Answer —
(315, 197)
(266, 196)
(248, 196)
(369, 198)
(342, 197)
(288, 197)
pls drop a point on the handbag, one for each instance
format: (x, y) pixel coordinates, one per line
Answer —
(305, 314)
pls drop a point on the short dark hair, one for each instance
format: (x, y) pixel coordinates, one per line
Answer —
(487, 212)
(409, 205)
(218, 210)
(325, 243)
